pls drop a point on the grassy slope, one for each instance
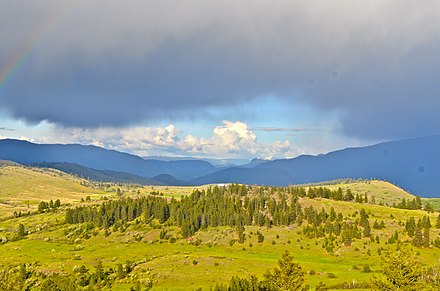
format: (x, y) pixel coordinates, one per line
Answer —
(170, 265)
(381, 191)
(435, 203)
(21, 186)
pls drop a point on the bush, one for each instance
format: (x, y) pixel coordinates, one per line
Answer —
(331, 276)
(366, 269)
(260, 237)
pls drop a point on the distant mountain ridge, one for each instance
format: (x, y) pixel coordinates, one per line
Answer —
(99, 175)
(89, 156)
(413, 164)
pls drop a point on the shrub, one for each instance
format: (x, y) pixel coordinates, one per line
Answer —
(366, 269)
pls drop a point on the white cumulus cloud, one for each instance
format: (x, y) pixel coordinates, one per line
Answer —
(230, 139)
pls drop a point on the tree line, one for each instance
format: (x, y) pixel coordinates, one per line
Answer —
(236, 206)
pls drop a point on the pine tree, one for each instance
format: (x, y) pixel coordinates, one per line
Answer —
(42, 206)
(241, 234)
(21, 231)
(346, 237)
(418, 201)
(376, 225)
(418, 237)
(401, 272)
(99, 271)
(349, 195)
(410, 226)
(367, 230)
(288, 275)
(425, 240)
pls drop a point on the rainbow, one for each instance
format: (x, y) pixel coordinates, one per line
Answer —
(17, 59)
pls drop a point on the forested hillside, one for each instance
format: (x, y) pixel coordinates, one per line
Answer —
(336, 237)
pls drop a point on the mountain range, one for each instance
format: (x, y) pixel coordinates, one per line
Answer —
(413, 164)
(97, 158)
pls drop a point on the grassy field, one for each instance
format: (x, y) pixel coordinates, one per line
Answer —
(201, 261)
(172, 264)
(22, 188)
(381, 191)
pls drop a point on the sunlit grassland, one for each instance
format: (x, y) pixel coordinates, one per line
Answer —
(383, 192)
(22, 188)
(204, 260)
(376, 211)
(172, 265)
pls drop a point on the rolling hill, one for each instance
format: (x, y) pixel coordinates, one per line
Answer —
(51, 245)
(22, 188)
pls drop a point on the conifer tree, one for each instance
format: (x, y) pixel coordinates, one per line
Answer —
(401, 272)
(425, 241)
(21, 231)
(418, 237)
(288, 275)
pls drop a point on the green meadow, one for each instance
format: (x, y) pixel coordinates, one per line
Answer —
(211, 256)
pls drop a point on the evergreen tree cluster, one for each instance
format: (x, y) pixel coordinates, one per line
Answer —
(419, 231)
(240, 205)
(414, 204)
(121, 210)
(235, 205)
(339, 194)
(27, 277)
(322, 224)
(48, 206)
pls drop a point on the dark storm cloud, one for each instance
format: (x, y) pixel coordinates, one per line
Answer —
(117, 62)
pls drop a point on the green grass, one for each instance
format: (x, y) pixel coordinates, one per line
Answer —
(382, 191)
(170, 265)
(22, 188)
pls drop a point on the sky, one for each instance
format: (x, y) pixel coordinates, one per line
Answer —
(219, 79)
